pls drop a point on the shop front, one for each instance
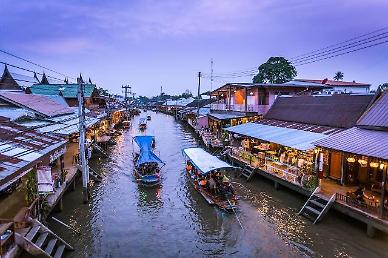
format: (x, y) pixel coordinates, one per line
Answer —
(286, 153)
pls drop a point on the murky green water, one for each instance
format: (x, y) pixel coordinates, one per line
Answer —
(125, 220)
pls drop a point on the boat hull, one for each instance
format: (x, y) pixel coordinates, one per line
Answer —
(147, 180)
(222, 204)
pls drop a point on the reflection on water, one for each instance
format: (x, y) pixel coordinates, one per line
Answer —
(126, 220)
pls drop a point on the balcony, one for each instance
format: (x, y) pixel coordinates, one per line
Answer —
(261, 109)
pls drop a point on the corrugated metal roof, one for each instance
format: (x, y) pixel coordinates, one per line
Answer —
(57, 98)
(355, 140)
(228, 115)
(179, 102)
(37, 103)
(297, 139)
(67, 90)
(341, 110)
(301, 126)
(20, 149)
(335, 83)
(24, 80)
(204, 161)
(15, 113)
(377, 114)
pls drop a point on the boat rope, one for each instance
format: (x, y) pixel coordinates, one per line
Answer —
(64, 224)
(238, 219)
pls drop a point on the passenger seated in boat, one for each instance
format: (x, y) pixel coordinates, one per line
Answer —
(212, 185)
(203, 182)
(188, 166)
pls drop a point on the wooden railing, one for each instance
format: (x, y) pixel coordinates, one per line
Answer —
(351, 201)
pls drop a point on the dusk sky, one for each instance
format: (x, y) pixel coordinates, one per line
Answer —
(150, 43)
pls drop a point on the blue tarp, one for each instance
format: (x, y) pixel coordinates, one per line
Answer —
(146, 155)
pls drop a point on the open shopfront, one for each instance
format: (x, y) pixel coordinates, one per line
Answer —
(283, 152)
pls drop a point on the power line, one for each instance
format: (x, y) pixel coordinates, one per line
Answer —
(28, 70)
(33, 63)
(340, 43)
(339, 49)
(340, 54)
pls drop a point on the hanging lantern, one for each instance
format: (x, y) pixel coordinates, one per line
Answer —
(251, 93)
(363, 162)
(382, 166)
(374, 164)
(351, 159)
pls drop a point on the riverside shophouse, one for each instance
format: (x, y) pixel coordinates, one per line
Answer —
(238, 103)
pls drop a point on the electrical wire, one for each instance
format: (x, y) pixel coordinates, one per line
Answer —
(33, 63)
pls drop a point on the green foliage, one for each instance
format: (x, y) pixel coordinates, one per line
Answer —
(311, 183)
(275, 70)
(339, 76)
(384, 86)
(30, 186)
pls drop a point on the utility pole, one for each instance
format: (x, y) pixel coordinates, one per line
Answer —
(161, 90)
(198, 97)
(211, 74)
(82, 140)
(126, 87)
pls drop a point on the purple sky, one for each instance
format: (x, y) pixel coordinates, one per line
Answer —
(148, 43)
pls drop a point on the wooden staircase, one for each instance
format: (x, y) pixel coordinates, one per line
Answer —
(100, 150)
(316, 206)
(40, 241)
(247, 173)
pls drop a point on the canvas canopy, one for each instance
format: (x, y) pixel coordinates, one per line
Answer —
(146, 155)
(204, 161)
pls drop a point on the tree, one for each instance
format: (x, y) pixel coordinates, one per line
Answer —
(275, 70)
(339, 76)
(187, 94)
(384, 86)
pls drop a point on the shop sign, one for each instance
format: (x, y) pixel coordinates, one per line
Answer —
(56, 154)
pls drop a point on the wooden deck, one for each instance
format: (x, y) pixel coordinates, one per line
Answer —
(328, 188)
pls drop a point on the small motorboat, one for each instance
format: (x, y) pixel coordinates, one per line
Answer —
(148, 117)
(126, 124)
(203, 168)
(147, 164)
(142, 123)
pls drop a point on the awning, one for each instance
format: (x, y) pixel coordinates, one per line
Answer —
(364, 142)
(146, 155)
(204, 161)
(293, 138)
(220, 116)
(45, 180)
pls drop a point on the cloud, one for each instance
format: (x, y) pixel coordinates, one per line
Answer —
(64, 45)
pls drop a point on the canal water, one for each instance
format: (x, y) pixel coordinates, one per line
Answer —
(125, 220)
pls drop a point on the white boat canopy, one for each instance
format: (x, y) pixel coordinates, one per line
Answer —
(204, 161)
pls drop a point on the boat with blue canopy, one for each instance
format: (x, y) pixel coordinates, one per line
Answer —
(207, 174)
(142, 123)
(147, 163)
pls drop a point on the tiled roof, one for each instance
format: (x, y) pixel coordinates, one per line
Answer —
(359, 141)
(67, 90)
(341, 111)
(301, 126)
(37, 103)
(377, 115)
(334, 83)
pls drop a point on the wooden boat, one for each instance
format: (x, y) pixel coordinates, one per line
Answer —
(147, 164)
(142, 123)
(126, 124)
(149, 117)
(201, 164)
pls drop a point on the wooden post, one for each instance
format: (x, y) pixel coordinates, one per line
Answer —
(230, 98)
(342, 168)
(246, 99)
(385, 170)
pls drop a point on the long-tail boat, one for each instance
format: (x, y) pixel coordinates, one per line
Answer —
(147, 163)
(203, 167)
